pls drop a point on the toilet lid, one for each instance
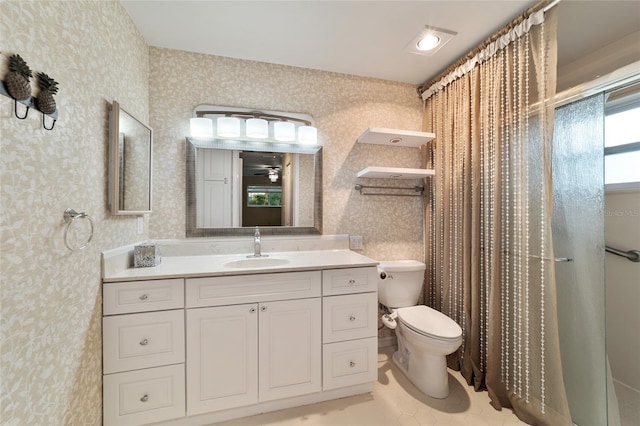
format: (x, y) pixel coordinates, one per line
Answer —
(430, 322)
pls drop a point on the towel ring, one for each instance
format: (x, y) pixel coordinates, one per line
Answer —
(70, 216)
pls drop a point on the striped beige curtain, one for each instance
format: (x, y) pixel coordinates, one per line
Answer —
(489, 223)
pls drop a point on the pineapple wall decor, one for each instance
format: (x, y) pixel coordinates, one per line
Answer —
(48, 88)
(17, 85)
(17, 79)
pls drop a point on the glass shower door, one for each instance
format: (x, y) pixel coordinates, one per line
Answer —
(578, 238)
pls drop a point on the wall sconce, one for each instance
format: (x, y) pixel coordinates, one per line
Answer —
(252, 127)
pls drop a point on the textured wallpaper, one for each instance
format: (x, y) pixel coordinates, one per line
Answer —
(50, 297)
(343, 106)
(50, 321)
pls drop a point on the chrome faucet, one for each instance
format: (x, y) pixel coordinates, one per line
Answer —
(256, 245)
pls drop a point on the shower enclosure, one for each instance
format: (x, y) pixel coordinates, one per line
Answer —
(578, 237)
(579, 247)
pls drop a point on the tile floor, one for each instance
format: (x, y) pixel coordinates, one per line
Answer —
(394, 401)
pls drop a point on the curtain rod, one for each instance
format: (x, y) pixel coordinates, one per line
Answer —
(544, 5)
(550, 5)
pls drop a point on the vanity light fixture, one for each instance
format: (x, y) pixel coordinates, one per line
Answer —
(429, 41)
(201, 127)
(228, 127)
(284, 131)
(247, 126)
(307, 134)
(257, 128)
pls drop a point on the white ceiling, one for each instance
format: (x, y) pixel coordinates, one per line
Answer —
(365, 38)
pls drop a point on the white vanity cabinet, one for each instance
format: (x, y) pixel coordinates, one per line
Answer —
(350, 327)
(143, 351)
(241, 354)
(198, 350)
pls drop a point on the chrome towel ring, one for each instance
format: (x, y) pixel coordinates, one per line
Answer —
(70, 217)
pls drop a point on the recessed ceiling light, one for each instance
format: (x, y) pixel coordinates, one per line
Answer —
(429, 41)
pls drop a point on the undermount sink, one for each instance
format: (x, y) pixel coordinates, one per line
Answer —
(256, 262)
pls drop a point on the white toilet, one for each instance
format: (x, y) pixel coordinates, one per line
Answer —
(425, 336)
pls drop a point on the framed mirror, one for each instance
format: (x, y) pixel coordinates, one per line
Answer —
(234, 185)
(130, 159)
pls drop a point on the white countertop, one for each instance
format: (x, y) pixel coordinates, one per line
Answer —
(214, 265)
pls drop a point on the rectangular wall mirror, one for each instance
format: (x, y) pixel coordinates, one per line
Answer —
(234, 186)
(130, 159)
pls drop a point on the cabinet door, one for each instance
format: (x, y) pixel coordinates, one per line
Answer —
(222, 358)
(290, 348)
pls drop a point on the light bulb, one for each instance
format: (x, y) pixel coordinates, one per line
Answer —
(201, 127)
(257, 128)
(228, 127)
(428, 42)
(284, 131)
(307, 134)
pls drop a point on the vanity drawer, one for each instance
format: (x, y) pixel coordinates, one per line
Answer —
(142, 296)
(142, 340)
(347, 317)
(350, 280)
(237, 289)
(349, 363)
(144, 396)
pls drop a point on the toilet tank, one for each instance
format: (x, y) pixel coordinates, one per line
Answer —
(400, 282)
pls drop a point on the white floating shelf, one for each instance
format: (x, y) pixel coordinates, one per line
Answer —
(394, 137)
(395, 173)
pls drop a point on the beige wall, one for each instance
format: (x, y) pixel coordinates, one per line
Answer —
(343, 106)
(51, 315)
(622, 231)
(51, 304)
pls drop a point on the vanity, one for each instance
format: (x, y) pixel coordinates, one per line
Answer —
(205, 337)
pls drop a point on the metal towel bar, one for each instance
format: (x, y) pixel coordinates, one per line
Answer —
(632, 255)
(418, 190)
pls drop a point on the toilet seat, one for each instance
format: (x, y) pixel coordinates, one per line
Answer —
(429, 323)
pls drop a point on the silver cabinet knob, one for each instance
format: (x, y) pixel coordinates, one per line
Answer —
(252, 310)
(263, 308)
(352, 364)
(144, 342)
(144, 297)
(352, 318)
(144, 398)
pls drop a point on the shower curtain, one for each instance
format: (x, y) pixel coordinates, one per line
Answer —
(489, 220)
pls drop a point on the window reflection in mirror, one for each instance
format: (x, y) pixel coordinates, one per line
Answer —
(249, 189)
